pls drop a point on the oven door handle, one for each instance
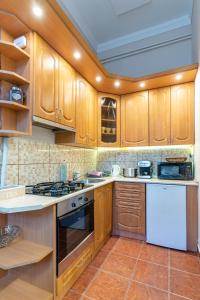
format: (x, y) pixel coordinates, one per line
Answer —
(76, 210)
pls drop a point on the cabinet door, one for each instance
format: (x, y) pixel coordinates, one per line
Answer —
(159, 117)
(134, 120)
(67, 81)
(182, 114)
(108, 210)
(81, 112)
(45, 80)
(99, 216)
(129, 209)
(108, 120)
(92, 116)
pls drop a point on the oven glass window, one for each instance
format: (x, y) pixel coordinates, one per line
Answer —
(170, 171)
(73, 228)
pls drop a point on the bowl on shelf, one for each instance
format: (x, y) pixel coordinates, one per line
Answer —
(8, 234)
(176, 159)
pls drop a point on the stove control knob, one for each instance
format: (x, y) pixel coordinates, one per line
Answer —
(73, 204)
(86, 199)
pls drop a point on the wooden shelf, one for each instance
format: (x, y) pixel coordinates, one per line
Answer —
(13, 77)
(108, 106)
(109, 134)
(12, 51)
(23, 290)
(108, 120)
(22, 253)
(11, 133)
(13, 105)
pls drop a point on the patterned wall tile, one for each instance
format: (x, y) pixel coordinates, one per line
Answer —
(90, 156)
(33, 173)
(77, 155)
(13, 158)
(59, 153)
(31, 152)
(12, 175)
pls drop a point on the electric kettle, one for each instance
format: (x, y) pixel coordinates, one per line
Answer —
(115, 171)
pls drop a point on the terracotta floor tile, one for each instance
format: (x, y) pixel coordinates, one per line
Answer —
(110, 244)
(154, 275)
(185, 261)
(99, 259)
(139, 291)
(155, 254)
(107, 287)
(185, 284)
(176, 297)
(120, 264)
(72, 295)
(84, 280)
(128, 247)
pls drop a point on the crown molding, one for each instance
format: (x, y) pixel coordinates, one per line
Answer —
(146, 48)
(143, 34)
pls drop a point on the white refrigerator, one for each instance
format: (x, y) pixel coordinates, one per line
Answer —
(166, 215)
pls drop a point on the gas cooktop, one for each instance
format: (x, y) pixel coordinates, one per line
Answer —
(55, 189)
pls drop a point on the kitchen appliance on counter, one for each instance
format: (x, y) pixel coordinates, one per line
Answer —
(166, 215)
(130, 172)
(175, 170)
(55, 189)
(145, 169)
(115, 171)
(75, 228)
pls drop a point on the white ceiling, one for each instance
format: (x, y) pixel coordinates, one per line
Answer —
(108, 24)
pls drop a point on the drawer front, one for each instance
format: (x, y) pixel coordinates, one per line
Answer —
(129, 186)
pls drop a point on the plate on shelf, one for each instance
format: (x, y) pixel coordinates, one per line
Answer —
(176, 159)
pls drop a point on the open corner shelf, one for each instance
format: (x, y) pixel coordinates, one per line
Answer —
(13, 105)
(12, 133)
(12, 51)
(13, 77)
(20, 289)
(22, 253)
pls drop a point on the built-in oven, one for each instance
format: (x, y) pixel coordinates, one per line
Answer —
(175, 170)
(75, 228)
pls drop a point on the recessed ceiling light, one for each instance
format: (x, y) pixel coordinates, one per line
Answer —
(77, 55)
(142, 84)
(98, 78)
(179, 76)
(117, 83)
(38, 12)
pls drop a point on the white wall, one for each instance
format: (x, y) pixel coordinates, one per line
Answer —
(154, 54)
(196, 58)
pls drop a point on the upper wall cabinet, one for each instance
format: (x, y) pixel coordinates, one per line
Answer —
(67, 97)
(81, 111)
(159, 117)
(108, 120)
(92, 116)
(182, 114)
(134, 120)
(45, 80)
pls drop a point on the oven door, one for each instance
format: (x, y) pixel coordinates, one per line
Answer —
(72, 229)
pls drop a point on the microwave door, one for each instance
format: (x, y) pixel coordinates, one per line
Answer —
(170, 171)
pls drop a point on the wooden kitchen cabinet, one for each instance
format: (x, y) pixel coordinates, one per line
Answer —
(134, 120)
(102, 214)
(159, 117)
(182, 114)
(92, 116)
(67, 96)
(129, 210)
(108, 120)
(45, 80)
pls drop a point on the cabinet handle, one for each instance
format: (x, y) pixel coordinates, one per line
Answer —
(60, 114)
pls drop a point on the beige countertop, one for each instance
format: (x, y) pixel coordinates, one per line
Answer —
(14, 199)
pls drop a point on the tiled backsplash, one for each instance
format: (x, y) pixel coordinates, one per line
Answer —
(130, 157)
(30, 162)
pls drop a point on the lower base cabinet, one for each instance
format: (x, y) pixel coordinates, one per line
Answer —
(129, 210)
(102, 214)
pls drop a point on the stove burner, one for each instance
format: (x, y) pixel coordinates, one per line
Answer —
(55, 189)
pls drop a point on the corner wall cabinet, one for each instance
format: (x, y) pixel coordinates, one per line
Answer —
(15, 70)
(108, 120)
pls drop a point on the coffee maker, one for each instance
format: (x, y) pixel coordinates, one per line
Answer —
(145, 169)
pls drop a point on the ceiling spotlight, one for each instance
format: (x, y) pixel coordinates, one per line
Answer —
(77, 55)
(117, 83)
(179, 76)
(38, 12)
(142, 84)
(98, 78)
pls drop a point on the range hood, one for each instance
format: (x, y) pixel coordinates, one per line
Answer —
(51, 125)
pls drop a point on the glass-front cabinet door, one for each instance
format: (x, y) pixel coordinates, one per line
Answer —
(109, 120)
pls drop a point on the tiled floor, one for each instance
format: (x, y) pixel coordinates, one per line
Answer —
(132, 270)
